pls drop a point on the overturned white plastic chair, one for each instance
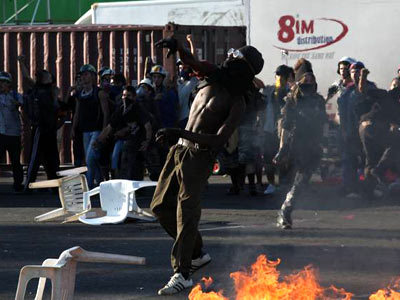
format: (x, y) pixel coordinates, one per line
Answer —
(70, 191)
(118, 201)
(62, 272)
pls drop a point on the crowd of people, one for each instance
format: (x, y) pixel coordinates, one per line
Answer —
(121, 131)
(114, 125)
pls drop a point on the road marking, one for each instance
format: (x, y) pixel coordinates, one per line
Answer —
(223, 227)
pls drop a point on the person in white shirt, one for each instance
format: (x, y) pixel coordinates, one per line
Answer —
(10, 127)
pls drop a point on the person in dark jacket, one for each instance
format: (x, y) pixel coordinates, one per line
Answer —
(42, 107)
(380, 137)
(303, 117)
(273, 96)
(351, 106)
(91, 116)
(131, 123)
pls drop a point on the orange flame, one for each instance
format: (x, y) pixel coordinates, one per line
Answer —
(198, 294)
(388, 293)
(262, 283)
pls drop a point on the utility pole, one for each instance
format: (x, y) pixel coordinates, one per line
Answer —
(48, 12)
(16, 11)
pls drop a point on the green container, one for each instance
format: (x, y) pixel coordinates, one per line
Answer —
(61, 11)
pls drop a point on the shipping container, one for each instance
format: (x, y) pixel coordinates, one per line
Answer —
(124, 48)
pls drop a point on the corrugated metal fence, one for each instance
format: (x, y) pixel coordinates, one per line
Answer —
(63, 49)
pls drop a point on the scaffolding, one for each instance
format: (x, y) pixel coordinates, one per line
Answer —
(17, 11)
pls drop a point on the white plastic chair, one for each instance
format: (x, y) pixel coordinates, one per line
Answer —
(62, 272)
(74, 171)
(117, 199)
(70, 191)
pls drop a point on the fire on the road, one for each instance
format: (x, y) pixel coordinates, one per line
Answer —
(262, 283)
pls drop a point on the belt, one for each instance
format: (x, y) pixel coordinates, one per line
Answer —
(190, 144)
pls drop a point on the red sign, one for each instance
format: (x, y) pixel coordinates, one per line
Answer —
(302, 33)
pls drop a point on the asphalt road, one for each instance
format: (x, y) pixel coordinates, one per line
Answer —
(354, 244)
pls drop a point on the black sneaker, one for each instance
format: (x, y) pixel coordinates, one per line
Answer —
(284, 219)
(176, 284)
(253, 190)
(200, 262)
(233, 191)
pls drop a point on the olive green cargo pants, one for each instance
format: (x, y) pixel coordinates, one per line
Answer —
(177, 204)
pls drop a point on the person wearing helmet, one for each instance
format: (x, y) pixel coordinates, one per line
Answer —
(106, 83)
(343, 69)
(154, 155)
(273, 96)
(91, 116)
(350, 109)
(105, 77)
(118, 83)
(166, 97)
(303, 118)
(214, 115)
(10, 127)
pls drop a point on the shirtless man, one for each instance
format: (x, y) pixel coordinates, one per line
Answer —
(215, 113)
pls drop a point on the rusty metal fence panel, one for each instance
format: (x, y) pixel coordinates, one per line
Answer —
(63, 49)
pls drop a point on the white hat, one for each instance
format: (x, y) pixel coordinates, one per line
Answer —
(147, 82)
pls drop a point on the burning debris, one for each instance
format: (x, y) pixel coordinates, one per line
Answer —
(389, 293)
(262, 283)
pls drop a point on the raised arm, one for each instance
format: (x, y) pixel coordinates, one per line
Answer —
(189, 38)
(25, 72)
(174, 45)
(147, 66)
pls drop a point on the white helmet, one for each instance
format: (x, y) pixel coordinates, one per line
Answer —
(147, 82)
(346, 59)
(106, 71)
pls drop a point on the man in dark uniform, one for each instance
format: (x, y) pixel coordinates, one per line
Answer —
(379, 118)
(303, 118)
(42, 107)
(214, 115)
(132, 123)
(274, 99)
